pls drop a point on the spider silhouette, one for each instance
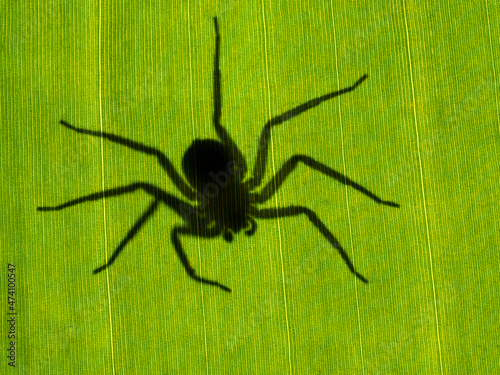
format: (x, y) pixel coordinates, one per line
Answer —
(226, 203)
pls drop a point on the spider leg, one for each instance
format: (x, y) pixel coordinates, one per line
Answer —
(270, 188)
(261, 160)
(183, 257)
(92, 197)
(179, 182)
(221, 132)
(273, 213)
(130, 235)
(173, 202)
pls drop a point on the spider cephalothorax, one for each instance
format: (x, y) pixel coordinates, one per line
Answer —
(223, 202)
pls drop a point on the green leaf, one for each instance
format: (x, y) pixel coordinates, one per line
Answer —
(422, 131)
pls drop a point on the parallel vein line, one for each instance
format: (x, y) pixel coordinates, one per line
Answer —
(194, 135)
(493, 64)
(103, 190)
(276, 196)
(346, 191)
(422, 186)
(494, 73)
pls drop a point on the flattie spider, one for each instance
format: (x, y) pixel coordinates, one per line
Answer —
(215, 170)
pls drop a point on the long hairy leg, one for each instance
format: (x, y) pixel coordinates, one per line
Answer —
(261, 160)
(273, 213)
(184, 259)
(130, 235)
(170, 200)
(159, 196)
(270, 188)
(179, 182)
(221, 132)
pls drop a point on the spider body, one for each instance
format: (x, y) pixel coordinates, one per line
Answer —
(217, 179)
(220, 200)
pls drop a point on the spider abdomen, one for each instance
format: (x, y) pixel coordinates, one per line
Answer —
(207, 162)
